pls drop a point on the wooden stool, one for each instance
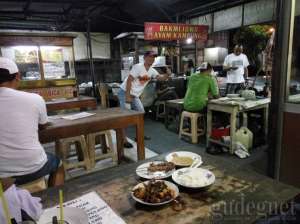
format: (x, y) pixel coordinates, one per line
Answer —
(35, 186)
(108, 152)
(63, 147)
(195, 131)
(160, 113)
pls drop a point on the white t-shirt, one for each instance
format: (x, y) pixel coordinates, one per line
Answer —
(20, 150)
(141, 78)
(240, 61)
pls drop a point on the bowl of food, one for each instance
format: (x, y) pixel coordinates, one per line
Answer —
(155, 170)
(193, 177)
(183, 158)
(155, 192)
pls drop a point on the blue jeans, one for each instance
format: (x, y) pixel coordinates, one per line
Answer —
(50, 167)
(136, 103)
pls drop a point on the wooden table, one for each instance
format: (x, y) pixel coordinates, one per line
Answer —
(104, 119)
(81, 102)
(239, 195)
(233, 110)
(173, 105)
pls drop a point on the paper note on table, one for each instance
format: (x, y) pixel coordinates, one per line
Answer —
(97, 210)
(77, 116)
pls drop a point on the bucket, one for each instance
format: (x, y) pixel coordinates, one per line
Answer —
(245, 137)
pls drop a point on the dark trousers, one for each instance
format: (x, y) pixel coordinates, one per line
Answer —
(50, 167)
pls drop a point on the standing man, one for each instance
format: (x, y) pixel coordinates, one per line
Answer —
(236, 65)
(134, 85)
(22, 114)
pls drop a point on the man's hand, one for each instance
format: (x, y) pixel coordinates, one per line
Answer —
(169, 72)
(128, 98)
(44, 126)
(7, 182)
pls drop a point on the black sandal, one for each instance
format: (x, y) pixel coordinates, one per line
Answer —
(127, 145)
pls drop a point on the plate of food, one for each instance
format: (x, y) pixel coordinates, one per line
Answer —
(155, 170)
(184, 158)
(71, 216)
(193, 177)
(155, 192)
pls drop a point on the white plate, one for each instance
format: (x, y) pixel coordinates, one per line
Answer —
(169, 184)
(71, 215)
(193, 177)
(142, 171)
(238, 98)
(192, 155)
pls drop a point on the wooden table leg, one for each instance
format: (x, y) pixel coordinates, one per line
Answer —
(140, 138)
(208, 126)
(266, 123)
(103, 143)
(233, 129)
(120, 144)
(167, 116)
(245, 119)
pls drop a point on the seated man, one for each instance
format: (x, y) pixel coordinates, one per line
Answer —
(22, 114)
(199, 86)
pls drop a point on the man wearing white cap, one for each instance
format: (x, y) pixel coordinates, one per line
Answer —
(134, 85)
(200, 84)
(22, 114)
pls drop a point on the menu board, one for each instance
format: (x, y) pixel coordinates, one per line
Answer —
(97, 210)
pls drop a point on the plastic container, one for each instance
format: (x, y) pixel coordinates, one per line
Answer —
(245, 137)
(218, 133)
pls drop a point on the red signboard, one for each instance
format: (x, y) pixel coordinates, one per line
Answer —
(175, 31)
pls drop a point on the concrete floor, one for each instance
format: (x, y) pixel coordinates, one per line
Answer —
(163, 140)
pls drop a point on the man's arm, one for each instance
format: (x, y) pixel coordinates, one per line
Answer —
(214, 88)
(43, 117)
(246, 72)
(128, 88)
(44, 126)
(246, 64)
(226, 66)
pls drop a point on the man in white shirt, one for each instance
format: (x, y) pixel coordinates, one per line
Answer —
(134, 85)
(236, 65)
(22, 114)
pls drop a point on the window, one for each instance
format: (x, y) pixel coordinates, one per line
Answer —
(294, 78)
(42, 63)
(27, 60)
(57, 62)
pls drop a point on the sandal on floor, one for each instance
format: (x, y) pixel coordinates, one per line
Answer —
(127, 145)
